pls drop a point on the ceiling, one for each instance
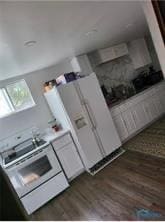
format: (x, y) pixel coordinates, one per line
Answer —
(62, 29)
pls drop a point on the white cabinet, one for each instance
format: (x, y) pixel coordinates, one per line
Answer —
(136, 113)
(70, 160)
(139, 116)
(108, 54)
(120, 50)
(161, 99)
(157, 104)
(139, 53)
(149, 109)
(121, 127)
(129, 121)
(68, 156)
(61, 142)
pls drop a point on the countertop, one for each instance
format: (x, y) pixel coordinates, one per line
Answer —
(50, 137)
(123, 101)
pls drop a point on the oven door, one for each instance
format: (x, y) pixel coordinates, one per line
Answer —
(33, 170)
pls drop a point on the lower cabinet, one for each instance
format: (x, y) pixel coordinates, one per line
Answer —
(139, 116)
(150, 109)
(142, 111)
(129, 120)
(68, 156)
(121, 127)
(161, 99)
(70, 160)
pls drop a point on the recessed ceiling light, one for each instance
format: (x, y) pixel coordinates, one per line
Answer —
(30, 43)
(129, 25)
(91, 32)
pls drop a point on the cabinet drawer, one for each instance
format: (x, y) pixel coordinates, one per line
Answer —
(44, 193)
(62, 141)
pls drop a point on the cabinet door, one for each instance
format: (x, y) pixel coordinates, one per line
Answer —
(149, 109)
(139, 116)
(120, 50)
(162, 100)
(129, 121)
(70, 160)
(158, 105)
(121, 127)
(107, 54)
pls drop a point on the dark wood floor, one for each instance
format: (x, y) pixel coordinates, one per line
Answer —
(131, 182)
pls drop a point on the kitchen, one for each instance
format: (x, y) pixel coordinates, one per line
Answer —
(40, 114)
(124, 81)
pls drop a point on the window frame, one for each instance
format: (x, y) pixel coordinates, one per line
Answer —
(10, 102)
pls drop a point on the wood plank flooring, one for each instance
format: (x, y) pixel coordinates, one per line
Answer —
(131, 182)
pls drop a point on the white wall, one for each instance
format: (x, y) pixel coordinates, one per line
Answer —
(153, 54)
(40, 114)
(155, 32)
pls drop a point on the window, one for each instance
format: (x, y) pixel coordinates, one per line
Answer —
(20, 95)
(15, 97)
(5, 104)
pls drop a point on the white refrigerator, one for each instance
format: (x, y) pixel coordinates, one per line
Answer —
(81, 107)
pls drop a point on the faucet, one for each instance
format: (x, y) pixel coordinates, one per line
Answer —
(35, 138)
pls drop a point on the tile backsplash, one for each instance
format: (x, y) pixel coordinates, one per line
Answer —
(116, 72)
(121, 70)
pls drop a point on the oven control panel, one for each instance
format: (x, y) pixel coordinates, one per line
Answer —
(13, 140)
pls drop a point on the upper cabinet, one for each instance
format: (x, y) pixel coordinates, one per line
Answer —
(139, 53)
(136, 49)
(108, 54)
(81, 65)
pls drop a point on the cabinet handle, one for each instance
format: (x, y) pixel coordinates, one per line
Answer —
(90, 114)
(146, 110)
(125, 123)
(134, 117)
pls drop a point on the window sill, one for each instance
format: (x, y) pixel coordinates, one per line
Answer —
(17, 111)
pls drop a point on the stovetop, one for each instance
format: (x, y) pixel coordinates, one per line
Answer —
(16, 154)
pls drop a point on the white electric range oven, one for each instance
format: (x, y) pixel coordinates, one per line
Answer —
(35, 173)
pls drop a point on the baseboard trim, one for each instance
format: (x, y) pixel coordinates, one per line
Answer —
(103, 163)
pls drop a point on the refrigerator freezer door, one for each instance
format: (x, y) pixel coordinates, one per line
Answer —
(100, 114)
(81, 124)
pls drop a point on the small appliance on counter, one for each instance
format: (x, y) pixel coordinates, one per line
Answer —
(120, 92)
(109, 96)
(55, 125)
(139, 82)
(123, 91)
(153, 77)
(147, 78)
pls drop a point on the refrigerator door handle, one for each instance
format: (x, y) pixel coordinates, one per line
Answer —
(90, 113)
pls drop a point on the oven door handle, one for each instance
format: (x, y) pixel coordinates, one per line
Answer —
(50, 166)
(29, 157)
